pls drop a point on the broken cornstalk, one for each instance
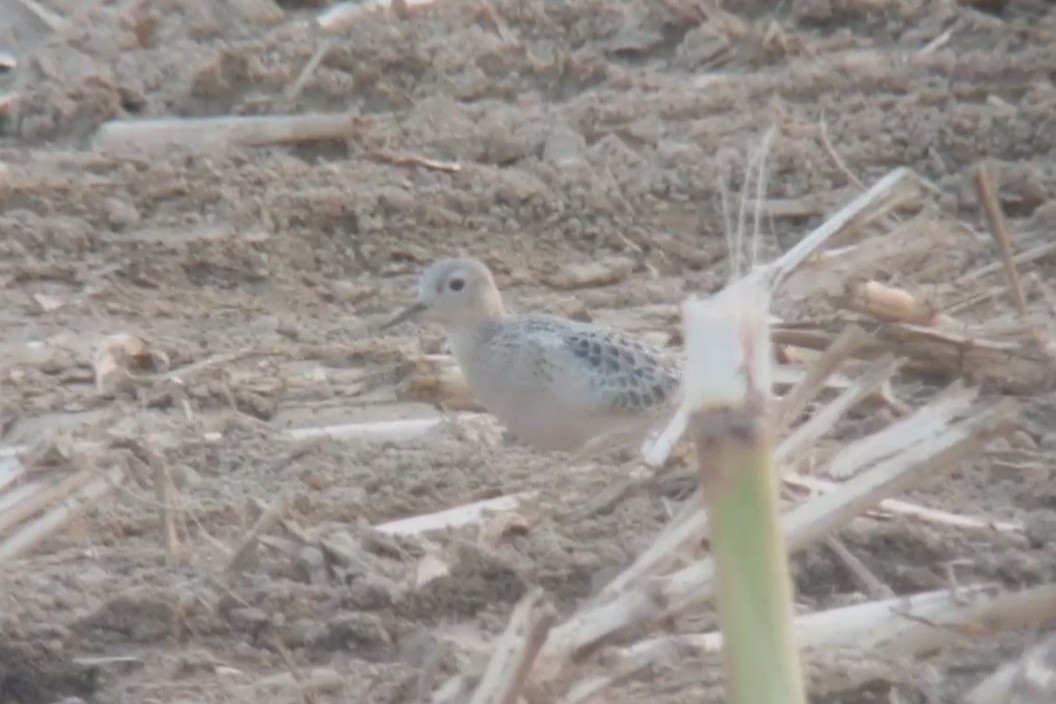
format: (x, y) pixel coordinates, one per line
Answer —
(727, 383)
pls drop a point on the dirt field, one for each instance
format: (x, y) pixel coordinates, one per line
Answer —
(584, 131)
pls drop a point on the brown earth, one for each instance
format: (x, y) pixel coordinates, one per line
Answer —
(584, 130)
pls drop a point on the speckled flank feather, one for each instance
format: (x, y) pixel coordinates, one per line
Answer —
(557, 384)
(622, 373)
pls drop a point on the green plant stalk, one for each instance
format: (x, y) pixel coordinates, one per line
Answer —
(754, 589)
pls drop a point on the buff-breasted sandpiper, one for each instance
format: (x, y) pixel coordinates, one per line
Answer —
(557, 384)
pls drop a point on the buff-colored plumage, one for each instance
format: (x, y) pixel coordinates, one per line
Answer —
(557, 384)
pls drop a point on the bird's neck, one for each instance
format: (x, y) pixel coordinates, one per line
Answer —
(466, 338)
(493, 309)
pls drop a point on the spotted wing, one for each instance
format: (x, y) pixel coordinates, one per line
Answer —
(614, 370)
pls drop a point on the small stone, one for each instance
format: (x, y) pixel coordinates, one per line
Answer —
(121, 214)
(394, 199)
(1021, 440)
(514, 186)
(318, 479)
(299, 632)
(1041, 528)
(184, 476)
(365, 634)
(288, 328)
(565, 148)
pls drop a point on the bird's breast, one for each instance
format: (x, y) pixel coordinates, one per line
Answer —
(532, 394)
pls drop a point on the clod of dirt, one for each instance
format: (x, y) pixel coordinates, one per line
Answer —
(259, 12)
(249, 620)
(566, 149)
(119, 356)
(499, 527)
(184, 476)
(382, 545)
(1021, 188)
(369, 594)
(1041, 528)
(31, 673)
(439, 381)
(121, 214)
(608, 271)
(417, 647)
(140, 618)
(477, 581)
(194, 662)
(256, 405)
(364, 634)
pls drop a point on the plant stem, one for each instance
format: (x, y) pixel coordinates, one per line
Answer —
(754, 596)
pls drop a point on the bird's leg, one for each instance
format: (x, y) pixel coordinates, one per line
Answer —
(611, 496)
(674, 472)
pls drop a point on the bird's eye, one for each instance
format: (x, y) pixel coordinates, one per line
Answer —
(456, 284)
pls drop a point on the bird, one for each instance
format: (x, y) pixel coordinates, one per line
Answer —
(559, 385)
